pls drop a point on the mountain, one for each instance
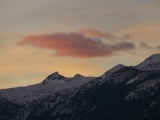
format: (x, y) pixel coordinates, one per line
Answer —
(150, 64)
(121, 93)
(52, 84)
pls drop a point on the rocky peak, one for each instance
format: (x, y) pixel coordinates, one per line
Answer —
(78, 75)
(55, 76)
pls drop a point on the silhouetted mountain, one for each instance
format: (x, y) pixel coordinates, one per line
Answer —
(122, 93)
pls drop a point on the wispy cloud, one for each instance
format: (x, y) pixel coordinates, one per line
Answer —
(99, 34)
(76, 45)
(144, 45)
(95, 33)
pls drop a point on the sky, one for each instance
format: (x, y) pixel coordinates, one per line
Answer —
(89, 37)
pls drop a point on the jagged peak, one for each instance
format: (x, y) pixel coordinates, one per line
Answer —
(119, 66)
(54, 76)
(78, 75)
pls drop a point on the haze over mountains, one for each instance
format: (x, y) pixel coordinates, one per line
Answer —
(122, 93)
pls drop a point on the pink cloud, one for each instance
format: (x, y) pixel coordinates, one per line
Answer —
(75, 45)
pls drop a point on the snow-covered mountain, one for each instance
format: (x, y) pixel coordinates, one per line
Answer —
(52, 83)
(150, 64)
(125, 93)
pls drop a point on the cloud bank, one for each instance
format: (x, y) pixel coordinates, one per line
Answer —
(76, 45)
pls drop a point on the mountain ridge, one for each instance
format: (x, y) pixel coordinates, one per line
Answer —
(123, 92)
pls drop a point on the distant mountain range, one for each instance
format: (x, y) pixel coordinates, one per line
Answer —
(122, 93)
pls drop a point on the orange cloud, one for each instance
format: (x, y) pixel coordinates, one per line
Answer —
(75, 45)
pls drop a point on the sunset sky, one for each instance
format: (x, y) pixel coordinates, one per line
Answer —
(39, 37)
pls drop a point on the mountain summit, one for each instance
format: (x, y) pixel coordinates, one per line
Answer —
(121, 93)
(151, 63)
(78, 75)
(55, 76)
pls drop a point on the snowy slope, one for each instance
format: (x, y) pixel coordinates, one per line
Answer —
(56, 82)
(151, 63)
(145, 89)
(52, 83)
(113, 70)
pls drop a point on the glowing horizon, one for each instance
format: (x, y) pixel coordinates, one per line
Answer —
(87, 37)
